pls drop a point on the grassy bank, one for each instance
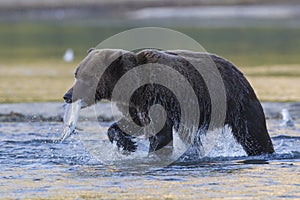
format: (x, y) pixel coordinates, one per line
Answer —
(35, 82)
(275, 83)
(48, 81)
(31, 66)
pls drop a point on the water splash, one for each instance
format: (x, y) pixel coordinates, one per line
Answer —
(220, 143)
(287, 120)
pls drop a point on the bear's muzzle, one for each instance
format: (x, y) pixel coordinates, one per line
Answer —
(68, 96)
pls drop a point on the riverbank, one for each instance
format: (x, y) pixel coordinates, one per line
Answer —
(265, 47)
(44, 82)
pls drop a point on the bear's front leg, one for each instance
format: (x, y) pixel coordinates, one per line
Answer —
(122, 139)
(163, 139)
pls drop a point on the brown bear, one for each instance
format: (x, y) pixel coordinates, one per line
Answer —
(99, 72)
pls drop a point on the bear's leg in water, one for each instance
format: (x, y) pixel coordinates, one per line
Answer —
(164, 138)
(122, 139)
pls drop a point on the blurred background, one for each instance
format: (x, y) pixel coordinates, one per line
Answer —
(42, 42)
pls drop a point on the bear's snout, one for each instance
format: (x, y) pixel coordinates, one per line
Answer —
(68, 96)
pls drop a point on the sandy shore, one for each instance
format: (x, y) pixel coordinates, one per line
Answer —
(275, 83)
(44, 82)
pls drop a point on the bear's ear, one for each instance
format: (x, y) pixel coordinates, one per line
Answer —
(90, 50)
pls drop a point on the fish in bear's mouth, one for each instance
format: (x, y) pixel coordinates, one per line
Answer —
(70, 118)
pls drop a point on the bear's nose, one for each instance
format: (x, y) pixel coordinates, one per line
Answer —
(68, 97)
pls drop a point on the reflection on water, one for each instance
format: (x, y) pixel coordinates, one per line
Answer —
(35, 165)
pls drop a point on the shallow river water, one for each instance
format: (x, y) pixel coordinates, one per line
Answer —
(35, 165)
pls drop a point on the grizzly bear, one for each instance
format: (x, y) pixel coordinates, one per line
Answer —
(98, 74)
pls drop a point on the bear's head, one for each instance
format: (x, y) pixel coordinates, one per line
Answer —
(98, 73)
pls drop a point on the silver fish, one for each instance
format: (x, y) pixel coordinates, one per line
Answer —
(70, 119)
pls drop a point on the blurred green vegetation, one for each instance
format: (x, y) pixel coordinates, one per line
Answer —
(244, 46)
